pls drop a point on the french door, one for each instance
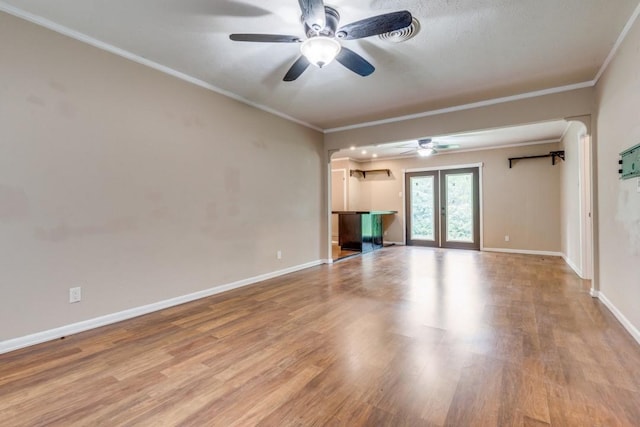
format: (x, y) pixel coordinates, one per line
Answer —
(443, 208)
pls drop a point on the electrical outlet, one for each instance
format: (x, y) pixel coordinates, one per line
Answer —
(279, 254)
(75, 294)
(506, 237)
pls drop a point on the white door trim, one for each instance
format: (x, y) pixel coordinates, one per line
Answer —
(344, 198)
(442, 168)
(586, 217)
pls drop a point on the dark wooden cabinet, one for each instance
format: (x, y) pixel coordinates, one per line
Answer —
(361, 230)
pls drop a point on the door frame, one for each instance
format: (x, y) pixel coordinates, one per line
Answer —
(585, 202)
(344, 197)
(437, 228)
(441, 168)
(475, 173)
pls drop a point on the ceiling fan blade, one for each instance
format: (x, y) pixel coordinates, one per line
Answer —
(296, 69)
(375, 25)
(354, 62)
(313, 13)
(412, 152)
(265, 38)
(446, 146)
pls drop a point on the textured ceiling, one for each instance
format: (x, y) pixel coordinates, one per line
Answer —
(466, 51)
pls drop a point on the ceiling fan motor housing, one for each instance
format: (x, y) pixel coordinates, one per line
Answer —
(425, 143)
(329, 30)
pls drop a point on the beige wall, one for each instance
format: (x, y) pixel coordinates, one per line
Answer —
(618, 128)
(556, 106)
(346, 165)
(137, 186)
(522, 202)
(355, 199)
(570, 201)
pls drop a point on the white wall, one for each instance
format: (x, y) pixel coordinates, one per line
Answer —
(136, 186)
(570, 199)
(618, 128)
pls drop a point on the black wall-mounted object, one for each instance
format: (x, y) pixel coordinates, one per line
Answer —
(629, 163)
(552, 154)
(365, 172)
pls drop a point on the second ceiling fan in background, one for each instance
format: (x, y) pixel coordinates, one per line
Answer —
(427, 147)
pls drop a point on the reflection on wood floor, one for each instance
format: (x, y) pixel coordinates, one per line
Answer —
(337, 253)
(403, 336)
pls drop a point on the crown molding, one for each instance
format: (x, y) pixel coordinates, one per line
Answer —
(616, 46)
(463, 107)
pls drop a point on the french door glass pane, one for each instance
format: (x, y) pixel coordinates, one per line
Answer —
(422, 208)
(459, 207)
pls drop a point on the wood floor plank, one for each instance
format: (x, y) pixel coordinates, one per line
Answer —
(402, 336)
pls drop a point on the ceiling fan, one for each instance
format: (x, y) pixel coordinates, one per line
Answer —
(322, 43)
(427, 147)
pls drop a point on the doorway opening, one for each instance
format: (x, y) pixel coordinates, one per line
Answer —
(443, 208)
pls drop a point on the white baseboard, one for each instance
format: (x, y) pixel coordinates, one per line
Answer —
(635, 333)
(574, 267)
(85, 325)
(522, 251)
(594, 293)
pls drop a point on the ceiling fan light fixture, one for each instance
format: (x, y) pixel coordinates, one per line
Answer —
(425, 152)
(320, 50)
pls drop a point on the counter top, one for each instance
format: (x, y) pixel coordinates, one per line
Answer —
(365, 212)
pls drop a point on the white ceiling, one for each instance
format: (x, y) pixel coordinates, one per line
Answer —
(536, 133)
(466, 51)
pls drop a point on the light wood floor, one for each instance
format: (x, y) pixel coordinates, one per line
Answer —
(401, 336)
(338, 253)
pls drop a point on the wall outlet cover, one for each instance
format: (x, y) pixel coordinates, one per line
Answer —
(75, 294)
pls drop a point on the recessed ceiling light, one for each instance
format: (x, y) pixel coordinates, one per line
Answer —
(374, 155)
(364, 151)
(353, 147)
